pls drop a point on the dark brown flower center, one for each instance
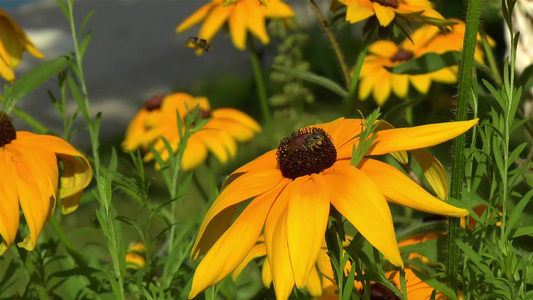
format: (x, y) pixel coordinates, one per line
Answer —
(379, 291)
(308, 151)
(154, 102)
(391, 3)
(7, 131)
(402, 55)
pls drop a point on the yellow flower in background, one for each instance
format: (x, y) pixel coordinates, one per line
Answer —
(30, 176)
(386, 10)
(135, 256)
(312, 169)
(158, 118)
(415, 287)
(375, 79)
(241, 15)
(13, 41)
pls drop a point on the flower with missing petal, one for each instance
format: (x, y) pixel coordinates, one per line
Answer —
(291, 190)
(13, 41)
(386, 10)
(241, 15)
(376, 79)
(30, 177)
(158, 118)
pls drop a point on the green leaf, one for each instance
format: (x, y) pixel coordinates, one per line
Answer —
(517, 212)
(33, 79)
(313, 78)
(514, 155)
(427, 63)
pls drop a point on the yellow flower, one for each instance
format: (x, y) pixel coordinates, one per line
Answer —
(386, 10)
(30, 176)
(380, 82)
(135, 256)
(415, 287)
(312, 169)
(13, 41)
(242, 16)
(158, 118)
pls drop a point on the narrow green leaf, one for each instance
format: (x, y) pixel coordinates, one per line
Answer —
(427, 63)
(33, 79)
(85, 43)
(514, 155)
(85, 21)
(517, 212)
(474, 257)
(313, 78)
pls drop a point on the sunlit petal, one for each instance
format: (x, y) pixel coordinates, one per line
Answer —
(9, 204)
(433, 171)
(258, 250)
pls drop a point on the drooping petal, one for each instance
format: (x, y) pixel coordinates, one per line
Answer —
(258, 250)
(384, 14)
(421, 82)
(403, 139)
(381, 91)
(356, 13)
(400, 85)
(255, 21)
(433, 171)
(221, 213)
(195, 18)
(237, 25)
(237, 130)
(314, 285)
(194, 154)
(277, 9)
(401, 190)
(9, 204)
(358, 199)
(307, 219)
(383, 48)
(218, 142)
(237, 116)
(230, 250)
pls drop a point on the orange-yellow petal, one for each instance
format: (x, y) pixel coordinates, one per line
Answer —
(194, 154)
(421, 82)
(9, 204)
(403, 139)
(360, 201)
(255, 21)
(265, 161)
(384, 14)
(400, 85)
(308, 201)
(401, 190)
(282, 273)
(221, 213)
(433, 171)
(233, 246)
(356, 13)
(237, 116)
(237, 25)
(214, 21)
(277, 9)
(258, 250)
(195, 18)
(314, 284)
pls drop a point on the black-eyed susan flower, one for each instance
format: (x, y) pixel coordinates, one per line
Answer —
(13, 41)
(242, 16)
(386, 10)
(375, 79)
(415, 288)
(30, 177)
(292, 188)
(158, 118)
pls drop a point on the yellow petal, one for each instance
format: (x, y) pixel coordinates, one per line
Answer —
(384, 48)
(384, 14)
(221, 144)
(433, 171)
(237, 130)
(265, 161)
(221, 213)
(307, 219)
(403, 139)
(381, 91)
(236, 116)
(314, 285)
(277, 9)
(233, 246)
(400, 85)
(9, 204)
(356, 13)
(342, 131)
(237, 25)
(194, 154)
(366, 85)
(195, 18)
(401, 190)
(6, 69)
(445, 75)
(214, 21)
(255, 21)
(258, 250)
(421, 82)
(266, 275)
(282, 274)
(358, 199)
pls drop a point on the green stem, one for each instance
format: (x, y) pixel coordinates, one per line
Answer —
(332, 41)
(261, 90)
(350, 100)
(31, 121)
(31, 269)
(465, 91)
(495, 73)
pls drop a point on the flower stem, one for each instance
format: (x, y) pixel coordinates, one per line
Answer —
(465, 91)
(350, 100)
(35, 277)
(332, 41)
(261, 90)
(490, 58)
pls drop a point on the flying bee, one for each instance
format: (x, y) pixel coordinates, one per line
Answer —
(194, 42)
